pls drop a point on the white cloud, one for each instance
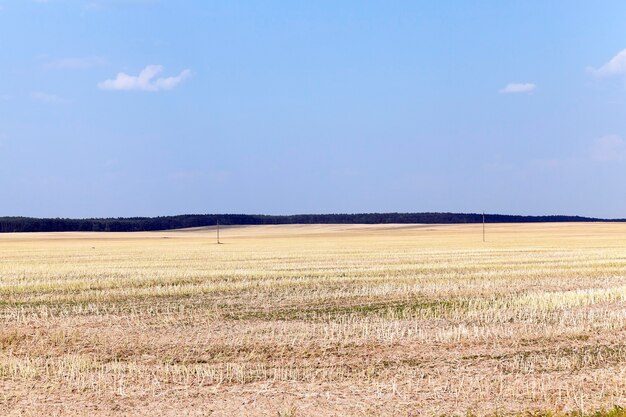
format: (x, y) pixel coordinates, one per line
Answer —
(608, 148)
(616, 66)
(145, 81)
(47, 98)
(518, 88)
(76, 63)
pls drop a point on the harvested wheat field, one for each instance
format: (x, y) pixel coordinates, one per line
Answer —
(334, 320)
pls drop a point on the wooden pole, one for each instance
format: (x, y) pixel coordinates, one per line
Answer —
(483, 226)
(218, 231)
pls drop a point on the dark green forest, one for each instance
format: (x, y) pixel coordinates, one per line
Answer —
(133, 224)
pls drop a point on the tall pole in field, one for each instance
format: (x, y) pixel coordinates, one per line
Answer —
(483, 226)
(218, 231)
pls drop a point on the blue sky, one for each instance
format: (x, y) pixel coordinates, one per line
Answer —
(155, 107)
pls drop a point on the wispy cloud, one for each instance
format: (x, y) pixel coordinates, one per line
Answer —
(47, 98)
(145, 81)
(76, 63)
(608, 148)
(512, 88)
(498, 163)
(95, 5)
(200, 175)
(616, 66)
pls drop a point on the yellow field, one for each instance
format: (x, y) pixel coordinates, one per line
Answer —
(338, 320)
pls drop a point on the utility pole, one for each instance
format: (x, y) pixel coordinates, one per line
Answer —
(218, 231)
(483, 226)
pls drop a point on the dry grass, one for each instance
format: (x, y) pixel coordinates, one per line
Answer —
(315, 320)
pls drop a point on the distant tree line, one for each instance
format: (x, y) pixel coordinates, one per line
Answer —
(136, 224)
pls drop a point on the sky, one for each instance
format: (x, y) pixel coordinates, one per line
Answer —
(158, 107)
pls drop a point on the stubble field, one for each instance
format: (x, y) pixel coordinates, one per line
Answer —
(327, 320)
